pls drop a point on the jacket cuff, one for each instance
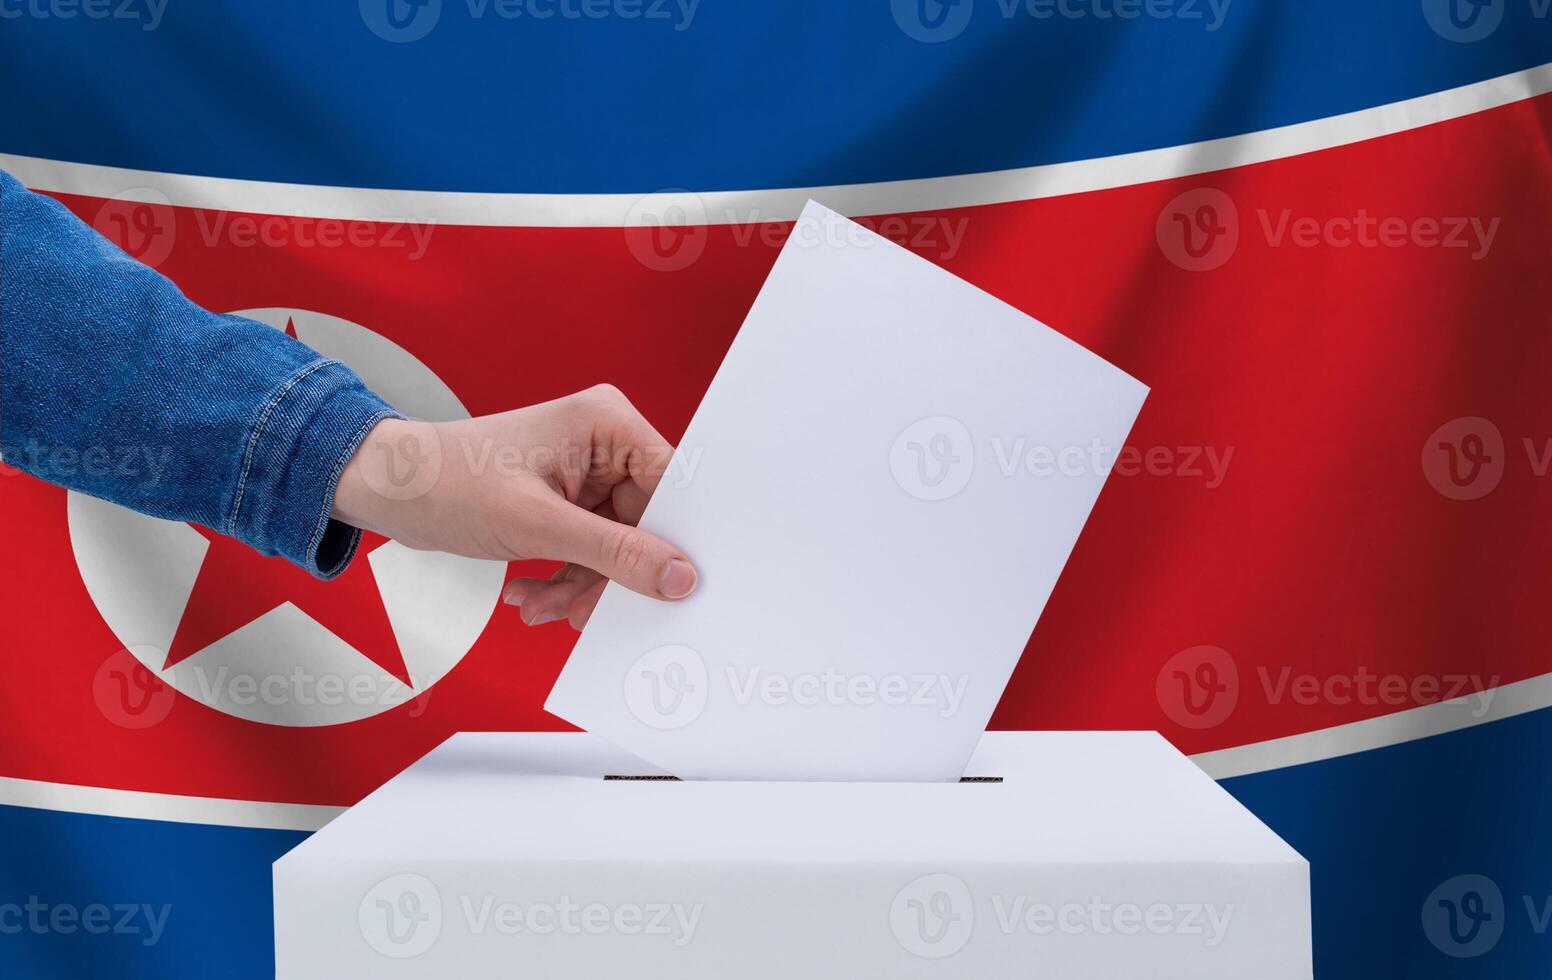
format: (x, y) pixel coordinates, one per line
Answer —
(302, 439)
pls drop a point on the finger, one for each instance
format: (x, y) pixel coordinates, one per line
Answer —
(552, 602)
(594, 493)
(537, 595)
(583, 605)
(520, 590)
(630, 494)
(629, 501)
(580, 574)
(606, 508)
(640, 561)
(517, 591)
(569, 571)
(630, 448)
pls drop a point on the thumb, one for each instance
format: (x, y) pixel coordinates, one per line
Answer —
(640, 561)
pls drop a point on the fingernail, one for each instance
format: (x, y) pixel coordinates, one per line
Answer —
(514, 595)
(677, 580)
(543, 618)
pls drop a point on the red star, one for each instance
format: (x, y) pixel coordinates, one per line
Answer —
(237, 585)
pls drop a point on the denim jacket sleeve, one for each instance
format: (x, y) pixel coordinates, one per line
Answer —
(114, 384)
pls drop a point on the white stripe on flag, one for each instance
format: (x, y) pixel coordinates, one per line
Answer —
(163, 806)
(1490, 704)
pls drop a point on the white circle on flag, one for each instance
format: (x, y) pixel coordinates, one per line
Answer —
(284, 667)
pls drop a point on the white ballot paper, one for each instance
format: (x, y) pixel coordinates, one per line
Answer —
(879, 491)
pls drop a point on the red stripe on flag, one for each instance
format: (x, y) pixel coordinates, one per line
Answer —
(1283, 548)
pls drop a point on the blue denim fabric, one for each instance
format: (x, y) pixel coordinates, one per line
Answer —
(114, 384)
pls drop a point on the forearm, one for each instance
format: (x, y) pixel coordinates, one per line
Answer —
(114, 384)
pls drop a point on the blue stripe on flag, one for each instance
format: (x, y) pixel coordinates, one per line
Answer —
(747, 95)
(182, 900)
(1391, 831)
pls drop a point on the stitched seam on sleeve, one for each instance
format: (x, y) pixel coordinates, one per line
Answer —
(322, 526)
(258, 433)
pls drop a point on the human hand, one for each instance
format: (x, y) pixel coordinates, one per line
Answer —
(564, 480)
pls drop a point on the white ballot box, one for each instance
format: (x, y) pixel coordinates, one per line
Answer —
(549, 856)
